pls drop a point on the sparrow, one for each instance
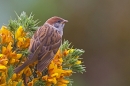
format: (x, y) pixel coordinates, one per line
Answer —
(44, 44)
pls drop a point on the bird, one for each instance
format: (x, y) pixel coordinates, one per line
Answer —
(44, 44)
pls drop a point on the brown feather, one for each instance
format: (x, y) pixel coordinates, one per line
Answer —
(45, 40)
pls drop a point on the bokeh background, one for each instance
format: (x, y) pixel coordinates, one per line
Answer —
(100, 27)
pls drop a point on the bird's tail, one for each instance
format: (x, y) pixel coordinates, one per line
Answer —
(20, 68)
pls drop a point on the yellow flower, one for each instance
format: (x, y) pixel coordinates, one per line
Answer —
(54, 75)
(71, 50)
(27, 72)
(1, 55)
(14, 83)
(20, 33)
(12, 61)
(23, 42)
(52, 80)
(14, 76)
(35, 79)
(5, 35)
(62, 82)
(66, 52)
(67, 72)
(9, 82)
(7, 51)
(39, 73)
(61, 72)
(14, 55)
(20, 42)
(59, 54)
(18, 56)
(58, 59)
(27, 43)
(3, 78)
(52, 66)
(44, 78)
(2, 67)
(4, 61)
(55, 72)
(30, 83)
(4, 84)
(78, 62)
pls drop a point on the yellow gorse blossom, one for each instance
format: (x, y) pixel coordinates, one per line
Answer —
(12, 57)
(56, 73)
(2, 67)
(3, 78)
(78, 62)
(20, 33)
(8, 56)
(22, 41)
(5, 35)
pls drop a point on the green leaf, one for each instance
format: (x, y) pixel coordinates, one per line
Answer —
(10, 72)
(13, 25)
(39, 83)
(27, 22)
(65, 45)
(78, 68)
(70, 61)
(70, 81)
(19, 83)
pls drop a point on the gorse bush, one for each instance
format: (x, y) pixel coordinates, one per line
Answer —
(14, 42)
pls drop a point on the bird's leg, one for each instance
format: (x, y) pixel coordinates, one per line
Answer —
(34, 73)
(45, 72)
(25, 79)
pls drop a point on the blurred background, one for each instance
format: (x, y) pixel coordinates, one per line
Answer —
(100, 27)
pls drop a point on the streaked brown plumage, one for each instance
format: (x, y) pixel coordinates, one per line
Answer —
(44, 44)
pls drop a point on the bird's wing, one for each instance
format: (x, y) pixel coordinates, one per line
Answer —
(35, 42)
(44, 44)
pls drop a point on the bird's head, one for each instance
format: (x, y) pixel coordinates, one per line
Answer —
(57, 22)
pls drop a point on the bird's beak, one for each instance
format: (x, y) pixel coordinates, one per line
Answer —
(65, 21)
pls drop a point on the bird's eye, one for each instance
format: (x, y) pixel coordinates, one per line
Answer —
(57, 24)
(58, 21)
